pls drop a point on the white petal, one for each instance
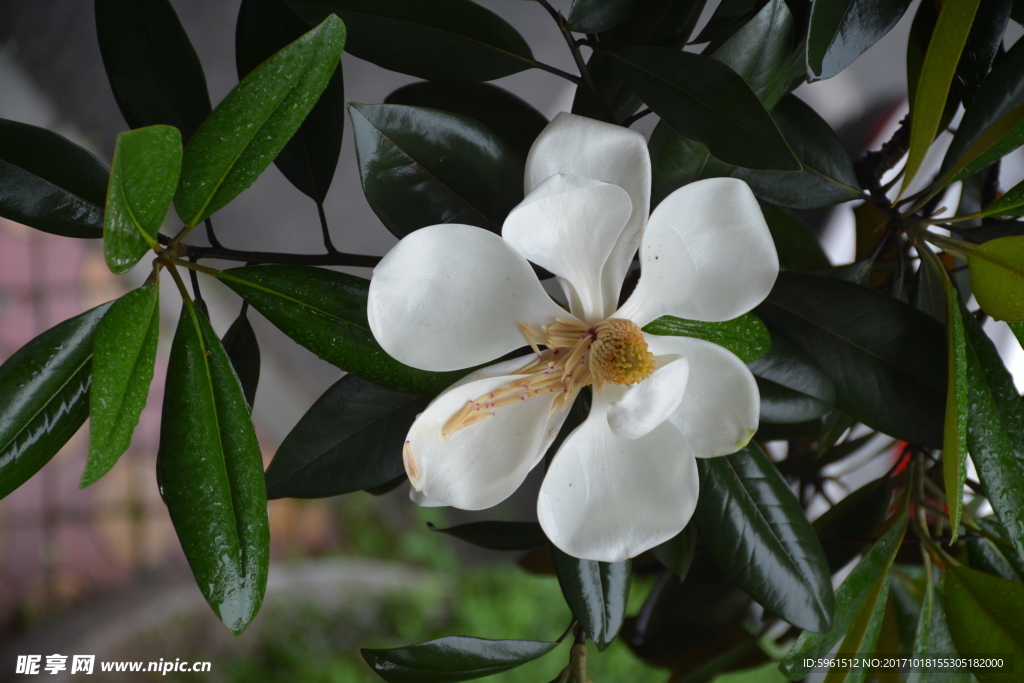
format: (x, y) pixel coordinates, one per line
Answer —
(607, 498)
(571, 230)
(646, 405)
(480, 465)
(452, 296)
(706, 255)
(421, 500)
(720, 410)
(578, 145)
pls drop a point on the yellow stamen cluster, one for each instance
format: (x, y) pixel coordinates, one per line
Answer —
(577, 355)
(619, 353)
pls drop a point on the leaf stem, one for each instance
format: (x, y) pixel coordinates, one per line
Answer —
(210, 235)
(179, 282)
(630, 120)
(328, 244)
(957, 248)
(558, 72)
(194, 267)
(581, 63)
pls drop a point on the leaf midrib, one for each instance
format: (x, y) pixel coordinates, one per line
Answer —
(49, 400)
(266, 290)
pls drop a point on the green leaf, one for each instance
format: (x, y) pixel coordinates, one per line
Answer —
(983, 43)
(727, 18)
(456, 40)
(244, 352)
(995, 431)
(310, 158)
(325, 312)
(706, 101)
(845, 528)
(795, 242)
(251, 126)
(423, 167)
(946, 44)
(993, 527)
(1010, 204)
(842, 30)
(760, 50)
(864, 586)
(152, 67)
(932, 637)
(44, 396)
(676, 161)
(992, 126)
(677, 552)
(662, 23)
(886, 359)
(124, 354)
(793, 389)
(349, 440)
(827, 177)
(862, 635)
(453, 658)
(512, 119)
(143, 179)
(954, 439)
(997, 277)
(596, 592)
(595, 16)
(986, 615)
(498, 535)
(755, 529)
(210, 473)
(49, 183)
(746, 336)
(984, 555)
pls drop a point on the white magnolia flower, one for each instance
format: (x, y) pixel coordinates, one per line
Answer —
(454, 296)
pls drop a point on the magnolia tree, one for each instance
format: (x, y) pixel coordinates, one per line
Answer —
(635, 317)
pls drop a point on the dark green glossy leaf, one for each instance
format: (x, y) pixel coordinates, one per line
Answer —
(244, 351)
(983, 42)
(498, 535)
(865, 585)
(44, 396)
(152, 67)
(453, 658)
(756, 530)
(124, 354)
(997, 277)
(793, 389)
(210, 473)
(595, 16)
(1017, 12)
(676, 161)
(986, 615)
(933, 84)
(596, 592)
(984, 555)
(848, 525)
(706, 101)
(827, 177)
(1010, 204)
(49, 183)
(994, 528)
(423, 167)
(325, 311)
(862, 636)
(729, 16)
(760, 50)
(349, 440)
(992, 126)
(456, 40)
(954, 436)
(677, 552)
(928, 294)
(746, 336)
(933, 637)
(842, 30)
(512, 119)
(143, 179)
(309, 159)
(251, 126)
(664, 23)
(886, 359)
(795, 242)
(995, 431)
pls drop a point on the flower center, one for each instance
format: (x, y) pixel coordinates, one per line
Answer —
(613, 351)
